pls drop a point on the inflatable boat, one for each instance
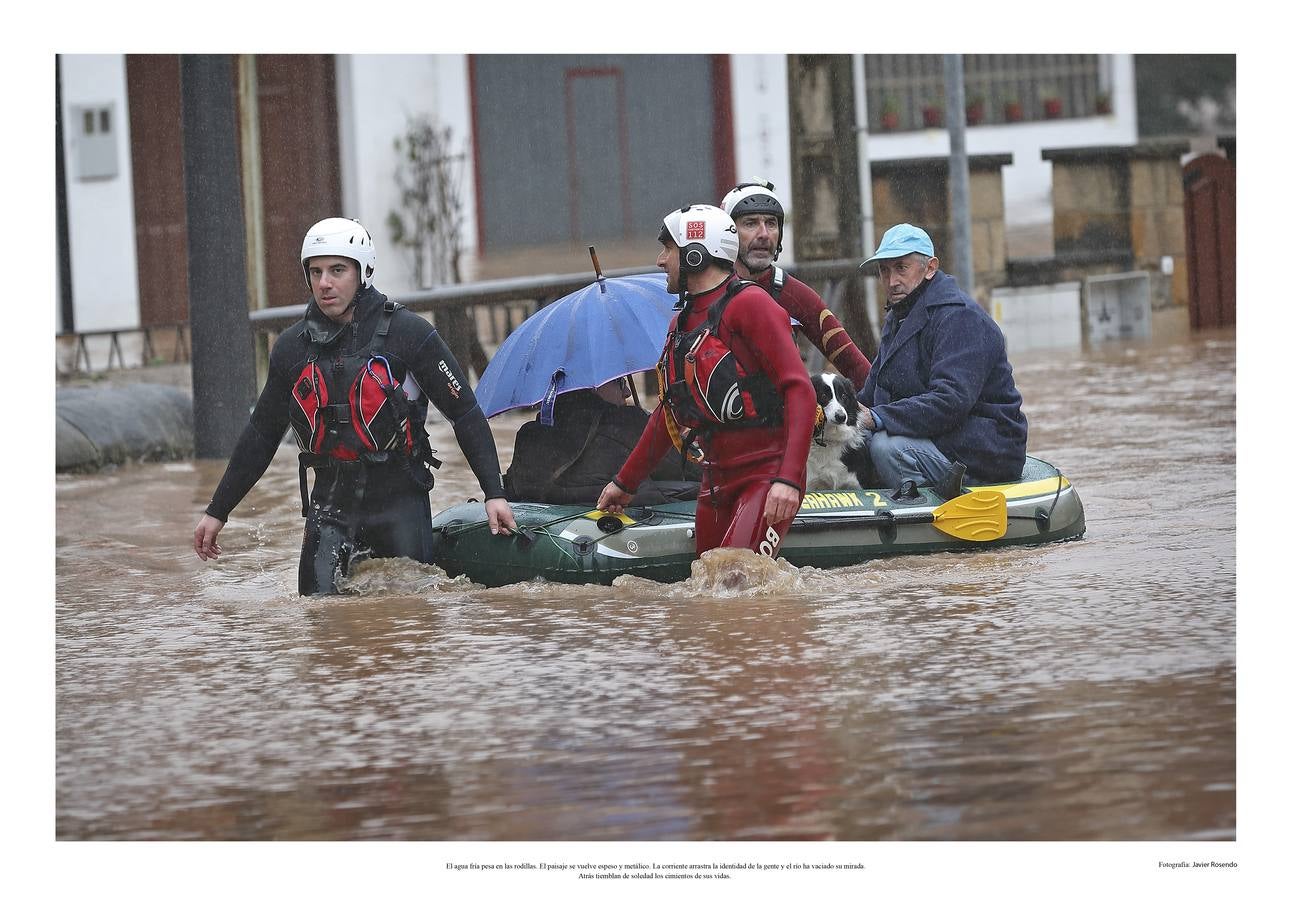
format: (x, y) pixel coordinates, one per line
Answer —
(579, 545)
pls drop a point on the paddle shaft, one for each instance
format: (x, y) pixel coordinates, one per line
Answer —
(969, 517)
(880, 519)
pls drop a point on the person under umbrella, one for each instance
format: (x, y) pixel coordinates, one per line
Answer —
(572, 359)
(591, 435)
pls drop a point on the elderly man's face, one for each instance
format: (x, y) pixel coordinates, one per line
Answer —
(901, 276)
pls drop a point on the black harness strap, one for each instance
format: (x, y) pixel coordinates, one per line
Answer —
(778, 282)
(338, 414)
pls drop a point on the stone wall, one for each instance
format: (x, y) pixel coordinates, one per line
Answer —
(1116, 203)
(918, 191)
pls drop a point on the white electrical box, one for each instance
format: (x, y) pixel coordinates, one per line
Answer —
(1117, 307)
(95, 141)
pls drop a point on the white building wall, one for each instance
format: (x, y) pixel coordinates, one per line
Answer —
(377, 95)
(761, 124)
(100, 210)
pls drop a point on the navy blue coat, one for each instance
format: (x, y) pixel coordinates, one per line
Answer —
(942, 374)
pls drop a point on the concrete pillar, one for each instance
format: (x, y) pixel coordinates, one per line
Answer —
(223, 373)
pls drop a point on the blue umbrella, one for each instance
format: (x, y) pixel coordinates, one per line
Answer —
(613, 327)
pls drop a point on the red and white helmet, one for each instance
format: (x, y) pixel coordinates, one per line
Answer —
(703, 234)
(340, 237)
(756, 197)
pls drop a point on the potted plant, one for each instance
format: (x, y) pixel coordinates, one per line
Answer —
(932, 113)
(1013, 110)
(1103, 104)
(1052, 106)
(974, 110)
(889, 114)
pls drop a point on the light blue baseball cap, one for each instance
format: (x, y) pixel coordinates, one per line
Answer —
(899, 241)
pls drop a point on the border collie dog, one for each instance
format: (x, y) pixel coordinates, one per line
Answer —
(837, 457)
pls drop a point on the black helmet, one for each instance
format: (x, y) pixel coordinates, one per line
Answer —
(756, 197)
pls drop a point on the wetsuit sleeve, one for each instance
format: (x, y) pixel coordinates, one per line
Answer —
(445, 384)
(826, 332)
(765, 328)
(477, 443)
(960, 358)
(651, 448)
(259, 440)
(824, 329)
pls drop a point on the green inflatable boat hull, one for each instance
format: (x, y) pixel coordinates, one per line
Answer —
(579, 545)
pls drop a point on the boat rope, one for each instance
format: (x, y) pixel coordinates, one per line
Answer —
(552, 538)
(465, 529)
(1043, 518)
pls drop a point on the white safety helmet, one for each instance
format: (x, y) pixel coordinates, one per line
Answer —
(703, 234)
(340, 237)
(756, 197)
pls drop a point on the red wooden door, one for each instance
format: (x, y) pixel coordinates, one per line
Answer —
(1210, 237)
(161, 227)
(300, 163)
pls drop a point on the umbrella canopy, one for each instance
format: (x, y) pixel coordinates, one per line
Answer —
(613, 327)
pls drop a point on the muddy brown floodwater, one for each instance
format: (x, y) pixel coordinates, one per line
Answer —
(1078, 691)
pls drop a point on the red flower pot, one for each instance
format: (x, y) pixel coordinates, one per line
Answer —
(933, 116)
(1014, 112)
(889, 121)
(1052, 107)
(974, 114)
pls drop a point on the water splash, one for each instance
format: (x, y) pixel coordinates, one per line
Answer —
(402, 576)
(728, 572)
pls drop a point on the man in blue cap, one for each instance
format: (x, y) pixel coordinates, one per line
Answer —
(940, 390)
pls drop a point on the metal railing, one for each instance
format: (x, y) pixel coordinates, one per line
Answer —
(904, 86)
(142, 340)
(485, 300)
(497, 307)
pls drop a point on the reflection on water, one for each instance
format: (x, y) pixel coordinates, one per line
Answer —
(1069, 692)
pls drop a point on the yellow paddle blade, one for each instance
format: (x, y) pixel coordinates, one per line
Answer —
(976, 516)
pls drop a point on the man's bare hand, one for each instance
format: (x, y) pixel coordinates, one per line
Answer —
(501, 520)
(204, 537)
(613, 499)
(865, 419)
(783, 503)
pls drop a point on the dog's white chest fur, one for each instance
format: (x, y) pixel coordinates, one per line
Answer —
(826, 468)
(841, 436)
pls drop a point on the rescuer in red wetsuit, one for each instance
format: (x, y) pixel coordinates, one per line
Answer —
(731, 374)
(760, 221)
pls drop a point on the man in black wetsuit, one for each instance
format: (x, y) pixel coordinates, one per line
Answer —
(353, 379)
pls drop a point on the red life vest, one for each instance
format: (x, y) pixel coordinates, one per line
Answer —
(349, 406)
(705, 385)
